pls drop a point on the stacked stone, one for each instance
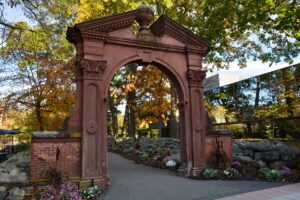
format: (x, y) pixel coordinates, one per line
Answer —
(15, 169)
(273, 154)
(159, 145)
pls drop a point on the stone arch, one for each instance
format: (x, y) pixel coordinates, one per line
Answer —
(103, 46)
(165, 67)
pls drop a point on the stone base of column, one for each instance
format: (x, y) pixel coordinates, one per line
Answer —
(196, 172)
(182, 171)
(97, 181)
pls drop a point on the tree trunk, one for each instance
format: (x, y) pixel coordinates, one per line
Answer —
(131, 101)
(257, 90)
(39, 116)
(131, 116)
(174, 131)
(114, 116)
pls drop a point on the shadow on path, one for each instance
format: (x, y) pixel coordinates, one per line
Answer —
(130, 181)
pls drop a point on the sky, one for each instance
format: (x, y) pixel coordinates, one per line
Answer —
(254, 68)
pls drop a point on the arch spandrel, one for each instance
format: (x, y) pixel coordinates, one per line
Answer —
(103, 46)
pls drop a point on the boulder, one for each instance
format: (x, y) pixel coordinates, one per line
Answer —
(16, 194)
(286, 153)
(259, 146)
(237, 150)
(248, 152)
(240, 143)
(14, 172)
(257, 156)
(176, 157)
(243, 159)
(3, 192)
(23, 177)
(5, 178)
(278, 164)
(2, 189)
(259, 163)
(270, 156)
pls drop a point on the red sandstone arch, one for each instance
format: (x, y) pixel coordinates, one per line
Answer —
(103, 46)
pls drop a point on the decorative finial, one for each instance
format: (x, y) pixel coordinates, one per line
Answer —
(144, 17)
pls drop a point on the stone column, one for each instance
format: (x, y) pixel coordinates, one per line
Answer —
(93, 136)
(75, 117)
(197, 121)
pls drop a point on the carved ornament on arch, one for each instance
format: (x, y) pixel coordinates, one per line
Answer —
(196, 77)
(94, 35)
(195, 50)
(92, 69)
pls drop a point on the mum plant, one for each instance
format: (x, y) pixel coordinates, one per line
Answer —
(210, 173)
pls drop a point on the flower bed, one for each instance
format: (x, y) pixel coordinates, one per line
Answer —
(236, 171)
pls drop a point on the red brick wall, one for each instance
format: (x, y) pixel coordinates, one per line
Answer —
(43, 156)
(226, 142)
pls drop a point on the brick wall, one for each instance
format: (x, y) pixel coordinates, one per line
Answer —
(224, 140)
(62, 153)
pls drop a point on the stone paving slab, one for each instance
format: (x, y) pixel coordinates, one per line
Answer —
(287, 192)
(130, 181)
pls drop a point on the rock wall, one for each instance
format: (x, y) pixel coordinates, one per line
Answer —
(15, 169)
(273, 154)
(158, 145)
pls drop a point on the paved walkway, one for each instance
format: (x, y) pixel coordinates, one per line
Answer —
(287, 192)
(131, 181)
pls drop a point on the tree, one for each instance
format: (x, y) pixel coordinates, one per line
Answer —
(37, 61)
(265, 30)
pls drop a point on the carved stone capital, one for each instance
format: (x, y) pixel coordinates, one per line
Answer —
(92, 69)
(196, 77)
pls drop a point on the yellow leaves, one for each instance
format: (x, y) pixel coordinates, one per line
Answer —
(88, 9)
(168, 3)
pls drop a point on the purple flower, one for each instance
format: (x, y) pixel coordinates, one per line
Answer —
(75, 196)
(285, 171)
(68, 187)
(236, 165)
(167, 158)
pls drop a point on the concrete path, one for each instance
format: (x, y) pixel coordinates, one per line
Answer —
(131, 181)
(287, 192)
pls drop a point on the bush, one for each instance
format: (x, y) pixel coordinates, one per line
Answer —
(274, 176)
(271, 175)
(210, 173)
(23, 147)
(144, 156)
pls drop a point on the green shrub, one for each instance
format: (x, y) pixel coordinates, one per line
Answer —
(274, 176)
(271, 175)
(144, 156)
(263, 171)
(23, 147)
(210, 173)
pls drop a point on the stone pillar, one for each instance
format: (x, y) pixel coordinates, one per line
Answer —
(197, 122)
(75, 117)
(94, 169)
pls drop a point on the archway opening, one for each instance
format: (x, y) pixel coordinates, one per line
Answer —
(143, 115)
(143, 102)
